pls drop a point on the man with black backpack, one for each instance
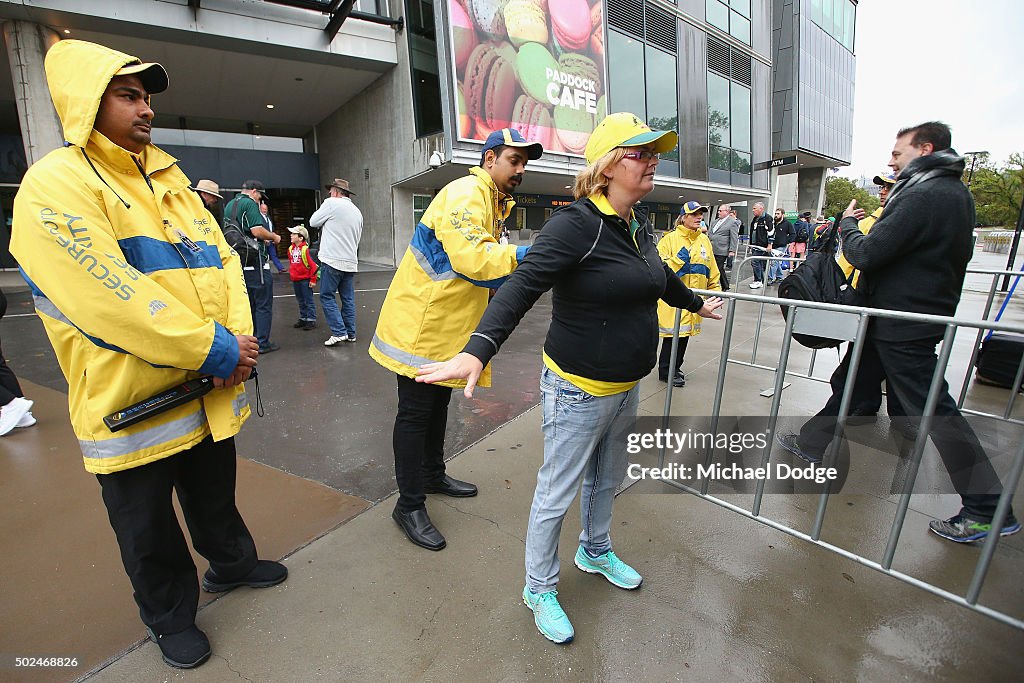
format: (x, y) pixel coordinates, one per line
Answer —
(246, 231)
(914, 259)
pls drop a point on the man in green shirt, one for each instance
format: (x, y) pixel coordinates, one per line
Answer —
(258, 282)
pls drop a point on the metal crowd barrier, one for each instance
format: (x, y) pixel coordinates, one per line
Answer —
(857, 318)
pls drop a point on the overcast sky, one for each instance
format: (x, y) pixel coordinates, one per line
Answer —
(951, 60)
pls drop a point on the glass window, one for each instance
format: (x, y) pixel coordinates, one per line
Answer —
(848, 25)
(816, 11)
(838, 18)
(740, 29)
(741, 6)
(420, 202)
(426, 86)
(662, 102)
(718, 14)
(719, 158)
(626, 74)
(718, 111)
(740, 110)
(826, 15)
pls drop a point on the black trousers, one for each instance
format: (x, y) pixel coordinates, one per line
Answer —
(666, 356)
(419, 439)
(9, 387)
(153, 548)
(723, 278)
(907, 368)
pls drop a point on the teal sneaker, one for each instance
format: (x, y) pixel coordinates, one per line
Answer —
(611, 567)
(549, 616)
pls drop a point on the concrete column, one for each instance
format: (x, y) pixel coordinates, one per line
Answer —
(811, 189)
(27, 44)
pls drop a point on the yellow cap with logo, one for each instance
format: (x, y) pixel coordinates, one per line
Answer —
(627, 130)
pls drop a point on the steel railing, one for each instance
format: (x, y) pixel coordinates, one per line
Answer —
(863, 315)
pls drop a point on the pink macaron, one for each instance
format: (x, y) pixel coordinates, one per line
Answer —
(464, 37)
(571, 23)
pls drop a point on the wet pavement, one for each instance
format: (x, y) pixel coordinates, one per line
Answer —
(724, 597)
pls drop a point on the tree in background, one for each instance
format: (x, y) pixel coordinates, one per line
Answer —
(997, 189)
(838, 193)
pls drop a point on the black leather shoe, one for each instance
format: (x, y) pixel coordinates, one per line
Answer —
(266, 573)
(452, 487)
(420, 530)
(679, 380)
(269, 348)
(183, 650)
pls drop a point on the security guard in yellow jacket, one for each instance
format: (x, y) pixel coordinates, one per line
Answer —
(885, 182)
(138, 292)
(435, 301)
(689, 254)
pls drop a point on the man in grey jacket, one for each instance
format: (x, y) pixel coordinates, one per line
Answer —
(724, 236)
(339, 243)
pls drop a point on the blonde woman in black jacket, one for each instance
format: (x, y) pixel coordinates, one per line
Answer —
(607, 277)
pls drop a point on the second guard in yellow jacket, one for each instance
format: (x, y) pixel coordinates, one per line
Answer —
(434, 303)
(689, 255)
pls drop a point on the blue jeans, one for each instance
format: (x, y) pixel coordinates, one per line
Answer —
(260, 287)
(304, 295)
(758, 267)
(334, 281)
(584, 439)
(775, 267)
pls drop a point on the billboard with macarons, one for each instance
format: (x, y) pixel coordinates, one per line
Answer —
(535, 65)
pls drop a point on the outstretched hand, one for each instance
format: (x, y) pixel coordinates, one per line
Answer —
(709, 308)
(853, 211)
(463, 366)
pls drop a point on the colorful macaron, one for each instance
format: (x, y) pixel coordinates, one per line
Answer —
(464, 38)
(573, 127)
(534, 64)
(525, 22)
(488, 17)
(533, 120)
(576, 64)
(491, 90)
(571, 23)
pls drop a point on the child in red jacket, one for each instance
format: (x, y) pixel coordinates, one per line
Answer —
(302, 269)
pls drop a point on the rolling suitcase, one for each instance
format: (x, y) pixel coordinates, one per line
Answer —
(999, 359)
(1001, 353)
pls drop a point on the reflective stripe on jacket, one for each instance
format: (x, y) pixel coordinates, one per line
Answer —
(132, 279)
(441, 288)
(688, 254)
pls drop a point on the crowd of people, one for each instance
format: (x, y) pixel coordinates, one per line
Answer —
(154, 302)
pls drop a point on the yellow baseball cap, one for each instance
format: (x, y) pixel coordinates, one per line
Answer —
(623, 129)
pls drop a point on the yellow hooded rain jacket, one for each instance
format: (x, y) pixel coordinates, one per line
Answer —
(135, 286)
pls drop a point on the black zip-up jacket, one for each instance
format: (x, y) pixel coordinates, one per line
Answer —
(915, 257)
(762, 230)
(604, 318)
(784, 233)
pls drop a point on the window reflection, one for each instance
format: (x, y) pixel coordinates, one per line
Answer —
(626, 74)
(662, 102)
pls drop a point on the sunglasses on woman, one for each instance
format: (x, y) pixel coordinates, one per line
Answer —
(642, 155)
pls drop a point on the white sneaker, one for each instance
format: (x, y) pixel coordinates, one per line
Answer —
(756, 284)
(27, 420)
(336, 340)
(12, 413)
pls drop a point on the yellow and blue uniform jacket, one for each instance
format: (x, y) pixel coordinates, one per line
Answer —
(864, 225)
(132, 279)
(441, 288)
(689, 255)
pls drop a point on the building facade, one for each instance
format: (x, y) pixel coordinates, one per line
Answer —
(812, 97)
(284, 92)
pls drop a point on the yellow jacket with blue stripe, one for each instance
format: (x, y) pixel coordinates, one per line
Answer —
(441, 288)
(689, 255)
(864, 225)
(133, 281)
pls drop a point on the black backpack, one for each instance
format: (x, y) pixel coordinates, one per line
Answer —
(819, 278)
(801, 232)
(245, 245)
